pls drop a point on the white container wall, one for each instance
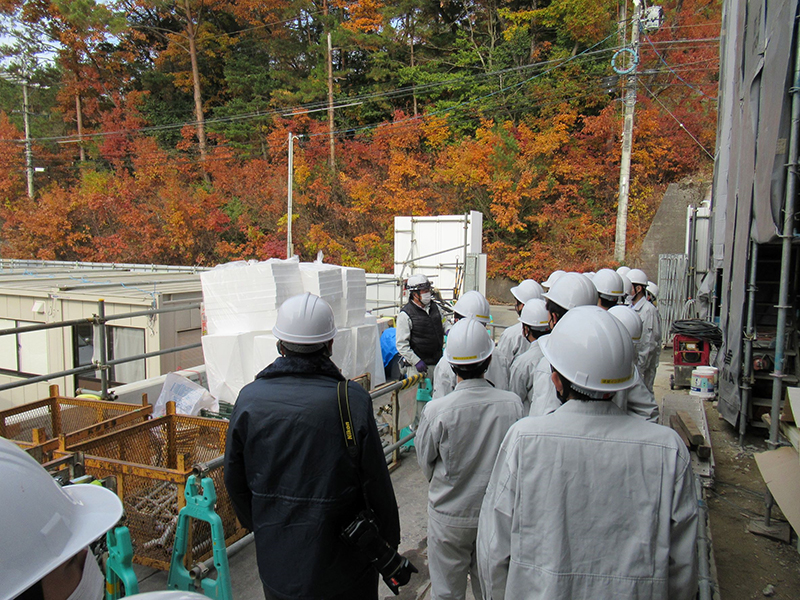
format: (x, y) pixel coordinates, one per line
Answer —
(438, 247)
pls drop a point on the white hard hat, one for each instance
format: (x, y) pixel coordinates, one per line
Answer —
(627, 285)
(169, 595)
(527, 290)
(535, 315)
(609, 284)
(473, 304)
(592, 350)
(590, 275)
(652, 289)
(554, 276)
(630, 319)
(623, 270)
(305, 319)
(637, 277)
(571, 290)
(468, 343)
(418, 281)
(42, 525)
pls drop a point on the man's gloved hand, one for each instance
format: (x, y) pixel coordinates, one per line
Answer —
(421, 367)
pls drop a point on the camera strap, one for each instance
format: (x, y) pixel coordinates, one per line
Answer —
(349, 431)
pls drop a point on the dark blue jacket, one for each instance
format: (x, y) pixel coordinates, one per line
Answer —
(293, 483)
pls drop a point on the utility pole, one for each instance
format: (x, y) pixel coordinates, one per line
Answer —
(627, 139)
(290, 181)
(28, 145)
(78, 112)
(332, 157)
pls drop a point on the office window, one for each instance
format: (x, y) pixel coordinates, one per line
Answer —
(23, 353)
(121, 342)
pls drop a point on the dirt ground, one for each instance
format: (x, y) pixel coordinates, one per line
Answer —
(748, 566)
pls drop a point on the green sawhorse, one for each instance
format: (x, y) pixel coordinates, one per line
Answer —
(120, 579)
(200, 506)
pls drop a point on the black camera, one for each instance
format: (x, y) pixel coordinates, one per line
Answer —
(363, 533)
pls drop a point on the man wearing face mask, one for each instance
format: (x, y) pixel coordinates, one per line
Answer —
(420, 333)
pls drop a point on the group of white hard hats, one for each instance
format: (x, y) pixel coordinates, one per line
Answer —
(43, 525)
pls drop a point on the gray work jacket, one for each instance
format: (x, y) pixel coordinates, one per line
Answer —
(456, 443)
(588, 502)
(521, 375)
(512, 343)
(444, 380)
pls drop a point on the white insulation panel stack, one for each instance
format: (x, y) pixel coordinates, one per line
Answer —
(241, 302)
(245, 296)
(354, 284)
(230, 363)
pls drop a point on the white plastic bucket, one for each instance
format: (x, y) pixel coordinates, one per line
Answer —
(704, 382)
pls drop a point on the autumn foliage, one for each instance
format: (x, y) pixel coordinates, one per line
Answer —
(512, 110)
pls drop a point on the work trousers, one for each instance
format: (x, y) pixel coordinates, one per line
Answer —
(451, 557)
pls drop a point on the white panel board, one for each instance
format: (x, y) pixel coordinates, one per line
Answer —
(437, 246)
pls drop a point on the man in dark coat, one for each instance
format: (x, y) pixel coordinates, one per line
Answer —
(288, 472)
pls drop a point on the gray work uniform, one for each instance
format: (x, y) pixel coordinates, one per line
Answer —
(649, 346)
(543, 396)
(638, 401)
(609, 513)
(445, 380)
(456, 443)
(512, 343)
(520, 378)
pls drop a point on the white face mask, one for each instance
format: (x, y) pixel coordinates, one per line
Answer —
(425, 297)
(92, 584)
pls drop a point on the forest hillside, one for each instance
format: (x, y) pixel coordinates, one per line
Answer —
(160, 129)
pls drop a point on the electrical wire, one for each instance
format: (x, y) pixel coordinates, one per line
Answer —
(472, 100)
(677, 120)
(661, 58)
(399, 92)
(183, 159)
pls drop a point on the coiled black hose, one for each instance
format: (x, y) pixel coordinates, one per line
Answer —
(696, 328)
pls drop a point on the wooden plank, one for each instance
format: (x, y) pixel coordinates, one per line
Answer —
(677, 425)
(696, 436)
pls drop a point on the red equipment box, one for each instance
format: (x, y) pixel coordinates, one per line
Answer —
(690, 352)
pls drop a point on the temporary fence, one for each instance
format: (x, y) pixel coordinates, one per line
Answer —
(671, 292)
(59, 422)
(151, 463)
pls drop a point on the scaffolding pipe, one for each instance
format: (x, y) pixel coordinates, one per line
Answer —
(692, 256)
(747, 376)
(127, 359)
(47, 377)
(401, 384)
(96, 319)
(202, 469)
(703, 547)
(786, 259)
(101, 342)
(389, 449)
(199, 571)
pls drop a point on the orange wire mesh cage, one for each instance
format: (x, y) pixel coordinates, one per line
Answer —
(59, 422)
(151, 463)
